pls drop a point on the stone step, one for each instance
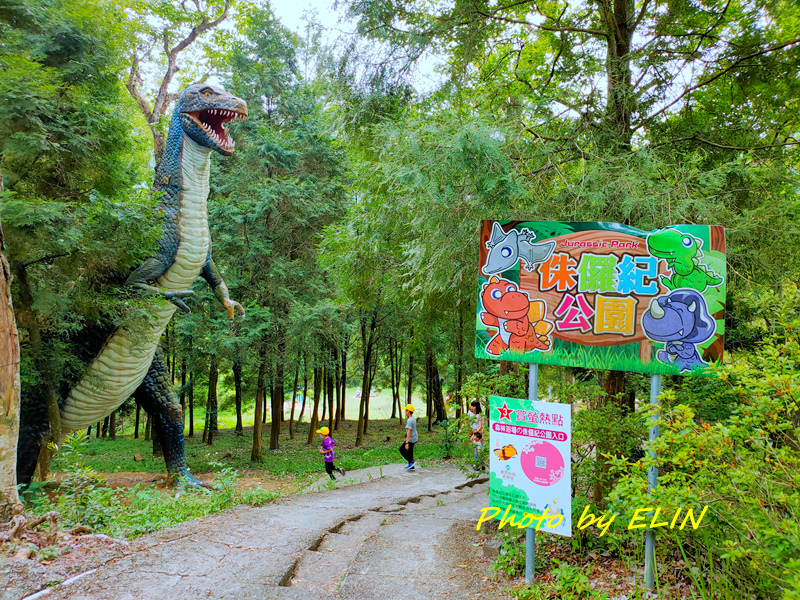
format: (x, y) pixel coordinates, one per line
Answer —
(426, 502)
(321, 569)
(363, 527)
(340, 543)
(316, 570)
(390, 508)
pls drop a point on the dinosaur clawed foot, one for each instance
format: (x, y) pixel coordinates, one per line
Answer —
(177, 299)
(185, 480)
(233, 308)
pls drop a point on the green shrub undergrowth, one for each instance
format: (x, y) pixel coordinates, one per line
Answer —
(83, 498)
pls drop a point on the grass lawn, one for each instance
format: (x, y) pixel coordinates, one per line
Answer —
(293, 458)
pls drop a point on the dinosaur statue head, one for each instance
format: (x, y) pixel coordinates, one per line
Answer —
(203, 111)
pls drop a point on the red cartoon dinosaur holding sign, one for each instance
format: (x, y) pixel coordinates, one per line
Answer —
(519, 321)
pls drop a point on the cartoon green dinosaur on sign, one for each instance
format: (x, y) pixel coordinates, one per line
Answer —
(682, 253)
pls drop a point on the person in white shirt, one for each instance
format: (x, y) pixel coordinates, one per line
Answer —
(407, 447)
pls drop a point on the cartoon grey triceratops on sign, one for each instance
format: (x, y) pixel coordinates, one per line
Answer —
(505, 249)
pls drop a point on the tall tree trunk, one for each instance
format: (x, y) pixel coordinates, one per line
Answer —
(105, 426)
(428, 385)
(324, 392)
(136, 423)
(305, 390)
(277, 404)
(191, 402)
(438, 394)
(112, 426)
(183, 390)
(255, 455)
(410, 385)
(294, 399)
(372, 371)
(621, 98)
(237, 387)
(314, 414)
(148, 425)
(28, 319)
(361, 405)
(205, 425)
(9, 391)
(215, 403)
(435, 396)
(211, 404)
(368, 328)
(265, 410)
(396, 363)
(613, 384)
(398, 377)
(460, 359)
(392, 371)
(330, 398)
(337, 386)
(344, 375)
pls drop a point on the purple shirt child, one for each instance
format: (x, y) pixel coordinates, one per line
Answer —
(327, 452)
(327, 445)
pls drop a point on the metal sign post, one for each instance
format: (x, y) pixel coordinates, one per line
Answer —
(530, 533)
(652, 482)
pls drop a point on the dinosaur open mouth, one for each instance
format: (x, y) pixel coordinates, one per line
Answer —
(212, 121)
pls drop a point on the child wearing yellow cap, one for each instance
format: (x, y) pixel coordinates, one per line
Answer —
(327, 452)
(407, 447)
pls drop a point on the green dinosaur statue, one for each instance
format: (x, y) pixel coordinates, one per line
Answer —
(682, 253)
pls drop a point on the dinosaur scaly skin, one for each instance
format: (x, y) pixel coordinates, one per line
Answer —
(129, 362)
(682, 253)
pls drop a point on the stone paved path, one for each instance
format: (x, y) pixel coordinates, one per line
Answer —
(403, 535)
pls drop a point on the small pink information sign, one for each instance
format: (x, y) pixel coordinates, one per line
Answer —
(530, 460)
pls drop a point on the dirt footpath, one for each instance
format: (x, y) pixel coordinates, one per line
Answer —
(403, 535)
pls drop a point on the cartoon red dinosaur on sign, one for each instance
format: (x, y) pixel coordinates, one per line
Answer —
(519, 321)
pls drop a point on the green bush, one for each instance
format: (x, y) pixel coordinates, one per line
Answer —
(745, 468)
(570, 582)
(511, 559)
(84, 499)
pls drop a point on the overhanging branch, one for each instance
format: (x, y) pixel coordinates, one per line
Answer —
(714, 77)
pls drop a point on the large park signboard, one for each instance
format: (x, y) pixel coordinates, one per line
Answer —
(602, 295)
